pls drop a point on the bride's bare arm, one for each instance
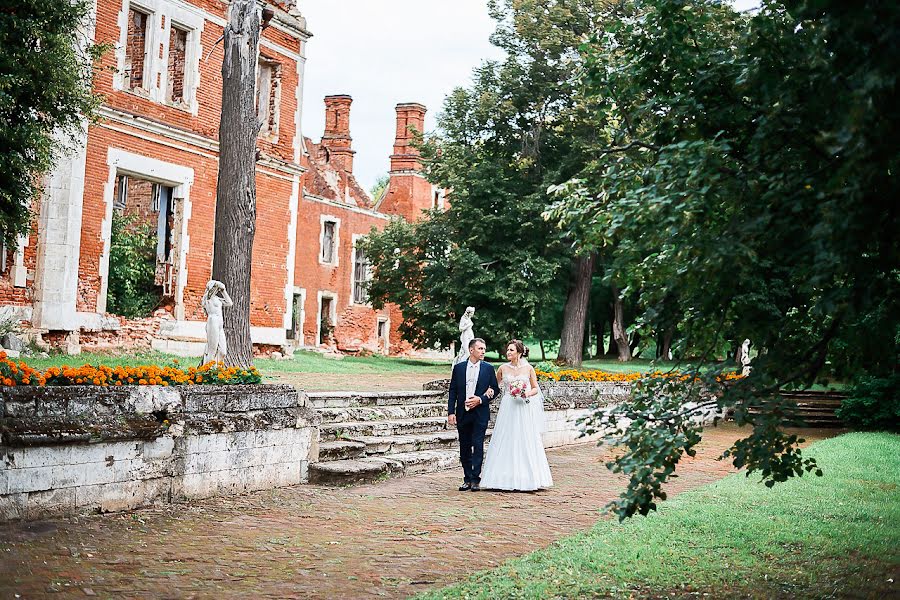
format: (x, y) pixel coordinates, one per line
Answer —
(534, 384)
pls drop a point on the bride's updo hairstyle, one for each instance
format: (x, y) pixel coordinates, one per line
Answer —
(520, 347)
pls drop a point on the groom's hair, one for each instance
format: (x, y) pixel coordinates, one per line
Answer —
(474, 341)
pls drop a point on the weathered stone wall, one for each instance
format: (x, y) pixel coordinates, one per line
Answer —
(70, 450)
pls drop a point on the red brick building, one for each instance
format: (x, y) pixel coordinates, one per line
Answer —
(153, 156)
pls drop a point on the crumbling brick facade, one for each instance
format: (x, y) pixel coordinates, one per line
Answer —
(158, 129)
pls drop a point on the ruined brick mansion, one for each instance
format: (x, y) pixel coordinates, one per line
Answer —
(153, 155)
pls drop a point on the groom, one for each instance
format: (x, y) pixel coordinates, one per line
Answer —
(472, 386)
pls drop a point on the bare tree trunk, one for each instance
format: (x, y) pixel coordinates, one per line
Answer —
(575, 311)
(613, 349)
(235, 223)
(543, 352)
(667, 336)
(619, 333)
(599, 326)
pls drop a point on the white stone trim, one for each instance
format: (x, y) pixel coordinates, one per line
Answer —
(290, 263)
(298, 113)
(180, 178)
(334, 300)
(349, 207)
(155, 68)
(352, 300)
(387, 332)
(336, 255)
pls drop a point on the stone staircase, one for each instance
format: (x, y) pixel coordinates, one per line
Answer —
(367, 436)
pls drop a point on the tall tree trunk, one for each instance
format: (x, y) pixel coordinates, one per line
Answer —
(543, 352)
(575, 311)
(619, 333)
(235, 223)
(599, 326)
(613, 349)
(666, 346)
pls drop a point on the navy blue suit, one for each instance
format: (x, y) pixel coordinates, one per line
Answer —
(472, 424)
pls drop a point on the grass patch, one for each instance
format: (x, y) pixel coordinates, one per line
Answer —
(302, 362)
(810, 537)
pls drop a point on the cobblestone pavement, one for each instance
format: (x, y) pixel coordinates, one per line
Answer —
(390, 539)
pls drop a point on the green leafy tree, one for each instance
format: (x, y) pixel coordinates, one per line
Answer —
(132, 264)
(45, 95)
(500, 144)
(749, 175)
(380, 185)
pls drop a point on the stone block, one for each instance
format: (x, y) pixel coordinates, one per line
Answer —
(12, 506)
(48, 503)
(122, 495)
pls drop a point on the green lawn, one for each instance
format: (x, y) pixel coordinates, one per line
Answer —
(812, 537)
(302, 362)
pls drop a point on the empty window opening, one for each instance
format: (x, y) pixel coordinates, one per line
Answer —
(328, 241)
(268, 95)
(326, 322)
(361, 276)
(178, 38)
(296, 331)
(141, 273)
(136, 49)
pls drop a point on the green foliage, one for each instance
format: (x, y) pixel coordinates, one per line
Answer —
(45, 93)
(744, 188)
(873, 403)
(501, 143)
(132, 265)
(732, 539)
(380, 185)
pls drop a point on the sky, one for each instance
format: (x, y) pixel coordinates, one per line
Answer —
(384, 52)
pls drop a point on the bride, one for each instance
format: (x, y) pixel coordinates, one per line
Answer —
(515, 457)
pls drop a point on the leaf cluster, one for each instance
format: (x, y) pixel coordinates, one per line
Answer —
(45, 95)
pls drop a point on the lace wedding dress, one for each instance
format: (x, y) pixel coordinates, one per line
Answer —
(515, 458)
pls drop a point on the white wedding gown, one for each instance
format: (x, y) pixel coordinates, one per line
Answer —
(515, 458)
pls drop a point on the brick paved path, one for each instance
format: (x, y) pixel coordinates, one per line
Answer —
(391, 539)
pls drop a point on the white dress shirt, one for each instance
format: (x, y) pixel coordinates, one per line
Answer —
(472, 371)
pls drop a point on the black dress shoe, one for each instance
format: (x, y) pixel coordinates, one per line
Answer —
(465, 487)
(475, 487)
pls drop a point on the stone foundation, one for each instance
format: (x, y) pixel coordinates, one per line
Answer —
(71, 450)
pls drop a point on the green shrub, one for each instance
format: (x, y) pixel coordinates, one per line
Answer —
(873, 403)
(131, 291)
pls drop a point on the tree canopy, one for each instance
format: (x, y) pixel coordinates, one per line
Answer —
(45, 94)
(749, 174)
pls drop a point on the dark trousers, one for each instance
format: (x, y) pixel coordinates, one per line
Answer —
(471, 445)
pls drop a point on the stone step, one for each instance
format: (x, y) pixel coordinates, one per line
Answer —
(352, 430)
(366, 470)
(341, 450)
(394, 444)
(348, 399)
(382, 413)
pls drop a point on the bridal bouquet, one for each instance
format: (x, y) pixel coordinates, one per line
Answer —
(517, 390)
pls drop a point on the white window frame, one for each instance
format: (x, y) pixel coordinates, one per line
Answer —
(356, 238)
(387, 332)
(162, 15)
(264, 133)
(301, 340)
(336, 255)
(332, 313)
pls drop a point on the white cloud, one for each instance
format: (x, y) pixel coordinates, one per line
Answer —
(383, 52)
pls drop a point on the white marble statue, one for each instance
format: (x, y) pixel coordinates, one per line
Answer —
(215, 299)
(745, 358)
(466, 335)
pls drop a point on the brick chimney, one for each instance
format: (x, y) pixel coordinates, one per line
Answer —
(337, 131)
(405, 156)
(408, 193)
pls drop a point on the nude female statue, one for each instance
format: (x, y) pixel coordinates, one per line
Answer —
(215, 299)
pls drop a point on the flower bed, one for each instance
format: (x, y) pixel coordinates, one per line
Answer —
(598, 375)
(18, 374)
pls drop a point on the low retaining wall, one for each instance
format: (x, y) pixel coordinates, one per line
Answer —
(70, 450)
(564, 403)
